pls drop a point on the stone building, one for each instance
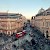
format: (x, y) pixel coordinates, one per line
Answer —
(42, 22)
(11, 23)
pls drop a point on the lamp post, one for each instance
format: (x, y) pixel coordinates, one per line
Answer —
(18, 30)
(7, 21)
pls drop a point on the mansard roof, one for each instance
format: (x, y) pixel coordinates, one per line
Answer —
(9, 15)
(48, 9)
(46, 12)
(41, 10)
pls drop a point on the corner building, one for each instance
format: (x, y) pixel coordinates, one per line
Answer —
(11, 23)
(42, 22)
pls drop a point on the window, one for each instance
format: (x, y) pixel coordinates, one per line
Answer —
(43, 23)
(48, 13)
(32, 18)
(3, 15)
(46, 24)
(49, 24)
(47, 31)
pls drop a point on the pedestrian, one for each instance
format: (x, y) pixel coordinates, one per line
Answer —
(33, 42)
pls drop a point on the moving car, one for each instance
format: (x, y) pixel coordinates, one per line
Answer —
(31, 34)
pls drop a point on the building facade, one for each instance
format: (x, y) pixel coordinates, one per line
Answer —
(11, 23)
(42, 22)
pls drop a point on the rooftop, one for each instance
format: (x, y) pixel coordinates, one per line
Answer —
(9, 15)
(43, 12)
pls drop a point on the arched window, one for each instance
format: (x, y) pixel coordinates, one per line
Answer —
(47, 31)
(32, 18)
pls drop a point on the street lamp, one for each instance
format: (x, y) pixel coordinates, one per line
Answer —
(18, 30)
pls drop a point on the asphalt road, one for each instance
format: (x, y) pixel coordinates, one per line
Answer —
(37, 36)
(39, 39)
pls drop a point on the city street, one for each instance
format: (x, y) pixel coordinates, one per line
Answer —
(37, 36)
(20, 40)
(39, 39)
(26, 37)
(24, 24)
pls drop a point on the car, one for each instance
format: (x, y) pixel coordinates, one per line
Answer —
(24, 31)
(14, 45)
(18, 35)
(31, 34)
